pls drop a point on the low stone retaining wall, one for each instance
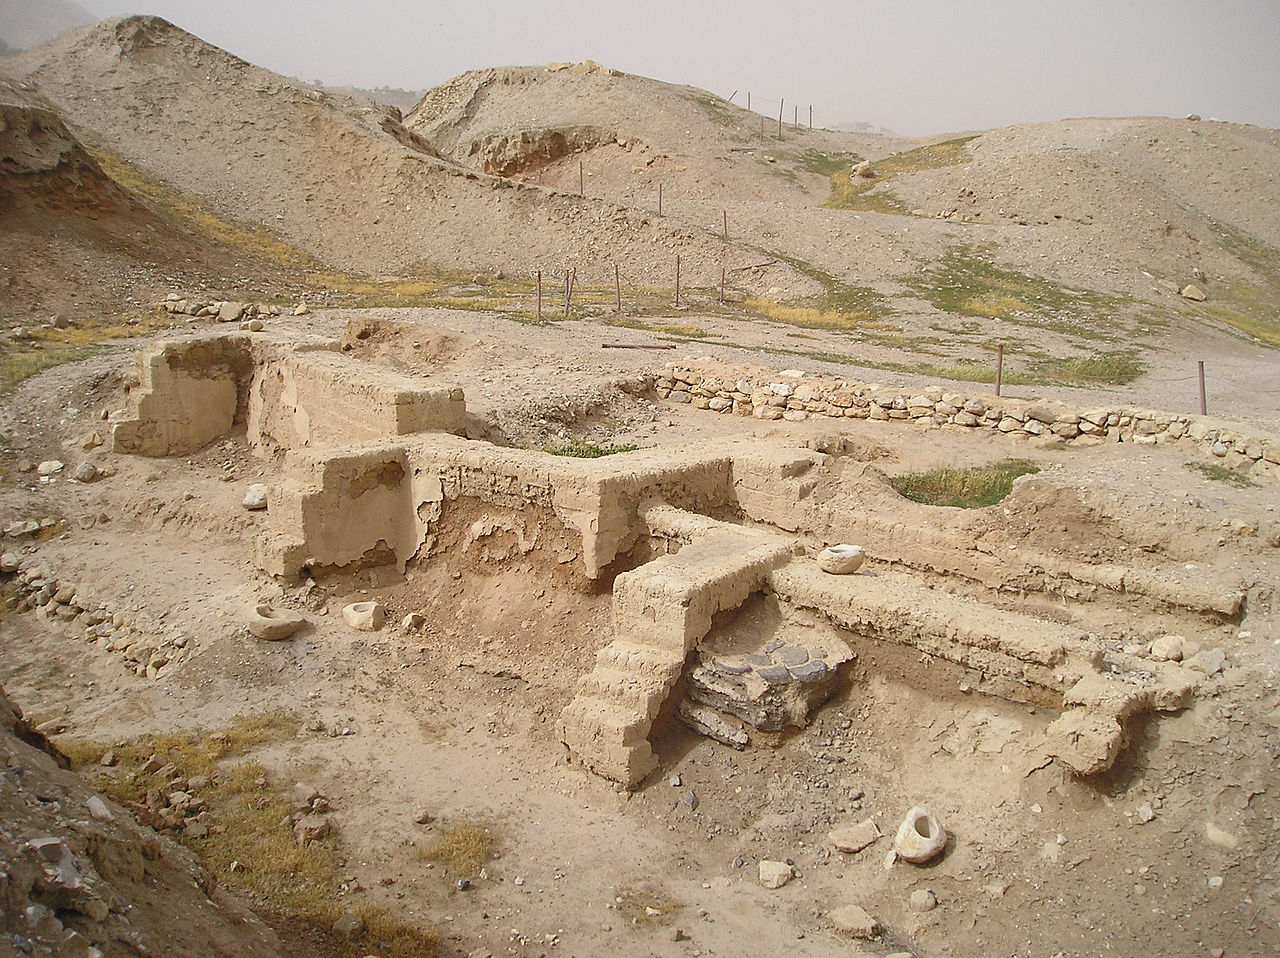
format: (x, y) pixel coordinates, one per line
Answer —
(796, 397)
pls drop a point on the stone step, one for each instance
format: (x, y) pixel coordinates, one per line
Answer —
(629, 656)
(604, 722)
(642, 693)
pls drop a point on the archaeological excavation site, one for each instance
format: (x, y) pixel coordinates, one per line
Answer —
(414, 548)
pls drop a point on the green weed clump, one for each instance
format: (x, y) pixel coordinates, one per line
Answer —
(580, 449)
(1217, 472)
(972, 488)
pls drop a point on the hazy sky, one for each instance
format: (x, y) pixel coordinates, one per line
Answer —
(914, 66)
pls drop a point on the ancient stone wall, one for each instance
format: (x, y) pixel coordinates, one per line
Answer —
(770, 396)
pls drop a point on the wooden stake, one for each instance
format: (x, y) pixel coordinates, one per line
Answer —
(617, 286)
(780, 119)
(724, 217)
(748, 99)
(581, 184)
(732, 95)
(539, 295)
(811, 116)
(795, 118)
(677, 279)
(568, 290)
(999, 367)
(1200, 370)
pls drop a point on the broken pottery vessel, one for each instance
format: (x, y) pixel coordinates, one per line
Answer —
(841, 559)
(920, 837)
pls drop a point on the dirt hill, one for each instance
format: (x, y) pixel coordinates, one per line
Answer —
(72, 236)
(82, 877)
(334, 175)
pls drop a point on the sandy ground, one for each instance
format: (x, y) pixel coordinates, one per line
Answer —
(460, 719)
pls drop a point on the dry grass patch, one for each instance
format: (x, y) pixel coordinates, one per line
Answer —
(43, 349)
(463, 849)
(643, 904)
(849, 192)
(189, 212)
(252, 847)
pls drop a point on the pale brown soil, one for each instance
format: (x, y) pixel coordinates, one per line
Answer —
(460, 719)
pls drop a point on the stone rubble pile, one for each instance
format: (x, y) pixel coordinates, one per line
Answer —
(146, 648)
(172, 803)
(772, 396)
(223, 311)
(769, 689)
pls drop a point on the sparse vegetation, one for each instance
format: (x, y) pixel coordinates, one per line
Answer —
(43, 349)
(964, 283)
(855, 193)
(191, 213)
(718, 110)
(1220, 473)
(254, 849)
(1114, 368)
(643, 904)
(827, 164)
(973, 488)
(581, 449)
(840, 306)
(463, 849)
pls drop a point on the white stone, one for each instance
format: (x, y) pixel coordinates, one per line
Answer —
(301, 309)
(923, 900)
(1167, 648)
(9, 562)
(255, 497)
(98, 809)
(852, 839)
(841, 559)
(365, 616)
(50, 467)
(854, 920)
(1192, 292)
(920, 836)
(774, 874)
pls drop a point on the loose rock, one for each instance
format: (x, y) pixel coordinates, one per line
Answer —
(774, 874)
(852, 839)
(255, 497)
(854, 920)
(923, 900)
